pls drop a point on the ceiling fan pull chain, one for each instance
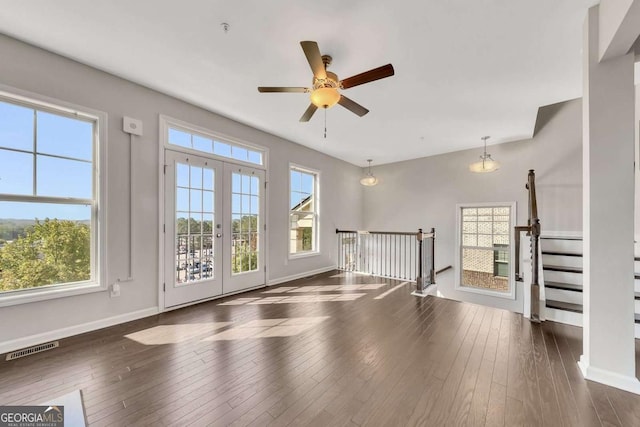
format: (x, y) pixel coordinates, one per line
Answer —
(325, 123)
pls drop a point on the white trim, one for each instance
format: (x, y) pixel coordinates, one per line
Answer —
(458, 250)
(161, 217)
(431, 290)
(167, 121)
(49, 292)
(69, 331)
(306, 254)
(613, 379)
(561, 234)
(563, 316)
(284, 279)
(99, 163)
(315, 212)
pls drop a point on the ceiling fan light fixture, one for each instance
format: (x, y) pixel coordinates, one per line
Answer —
(325, 97)
(369, 180)
(486, 163)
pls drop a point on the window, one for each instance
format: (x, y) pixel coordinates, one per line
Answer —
(303, 211)
(485, 248)
(48, 197)
(208, 144)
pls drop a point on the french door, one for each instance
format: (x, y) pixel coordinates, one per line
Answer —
(244, 243)
(214, 228)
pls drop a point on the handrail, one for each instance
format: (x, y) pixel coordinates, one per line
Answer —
(397, 233)
(443, 269)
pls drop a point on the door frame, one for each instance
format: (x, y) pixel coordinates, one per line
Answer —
(164, 123)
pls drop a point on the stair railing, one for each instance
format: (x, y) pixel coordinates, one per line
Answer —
(533, 231)
(396, 255)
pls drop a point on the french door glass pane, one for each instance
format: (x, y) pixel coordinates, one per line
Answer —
(245, 223)
(195, 214)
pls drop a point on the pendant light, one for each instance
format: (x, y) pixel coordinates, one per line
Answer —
(486, 163)
(369, 180)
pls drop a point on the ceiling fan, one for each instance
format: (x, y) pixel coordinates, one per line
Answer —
(326, 85)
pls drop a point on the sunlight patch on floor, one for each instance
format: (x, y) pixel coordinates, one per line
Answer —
(293, 299)
(348, 274)
(395, 288)
(268, 328)
(327, 288)
(174, 334)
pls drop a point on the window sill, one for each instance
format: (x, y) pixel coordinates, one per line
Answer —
(34, 295)
(303, 255)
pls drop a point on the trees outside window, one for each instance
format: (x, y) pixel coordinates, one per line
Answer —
(48, 196)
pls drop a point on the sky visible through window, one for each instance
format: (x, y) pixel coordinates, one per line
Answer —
(301, 187)
(209, 145)
(62, 160)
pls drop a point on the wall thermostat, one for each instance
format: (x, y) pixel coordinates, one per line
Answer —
(132, 126)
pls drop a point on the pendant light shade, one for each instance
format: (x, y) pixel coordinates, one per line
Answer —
(369, 180)
(486, 163)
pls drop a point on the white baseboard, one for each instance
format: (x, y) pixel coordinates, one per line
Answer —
(57, 334)
(563, 316)
(560, 234)
(429, 290)
(284, 279)
(613, 379)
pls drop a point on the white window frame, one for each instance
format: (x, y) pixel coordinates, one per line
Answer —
(316, 212)
(167, 122)
(458, 250)
(97, 282)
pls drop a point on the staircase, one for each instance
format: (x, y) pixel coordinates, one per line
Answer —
(562, 272)
(562, 268)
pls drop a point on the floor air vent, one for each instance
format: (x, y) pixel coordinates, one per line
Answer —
(32, 350)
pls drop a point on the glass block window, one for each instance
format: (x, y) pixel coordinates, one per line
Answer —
(208, 144)
(485, 247)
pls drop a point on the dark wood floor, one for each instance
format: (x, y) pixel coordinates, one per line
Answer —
(325, 351)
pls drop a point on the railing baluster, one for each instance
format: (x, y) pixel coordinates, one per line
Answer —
(395, 255)
(390, 255)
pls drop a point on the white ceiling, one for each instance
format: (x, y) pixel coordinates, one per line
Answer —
(464, 68)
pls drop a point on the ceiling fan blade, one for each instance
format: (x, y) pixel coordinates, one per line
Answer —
(307, 114)
(368, 76)
(264, 89)
(352, 106)
(312, 52)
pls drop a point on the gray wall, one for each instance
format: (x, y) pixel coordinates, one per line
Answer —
(28, 68)
(423, 193)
